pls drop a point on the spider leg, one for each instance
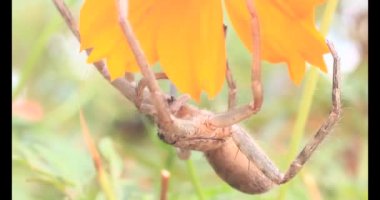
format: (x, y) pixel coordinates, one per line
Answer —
(178, 103)
(238, 114)
(175, 106)
(183, 154)
(230, 81)
(129, 76)
(326, 127)
(265, 165)
(231, 88)
(254, 154)
(141, 86)
(125, 85)
(164, 117)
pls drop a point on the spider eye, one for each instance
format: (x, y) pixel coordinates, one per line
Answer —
(171, 99)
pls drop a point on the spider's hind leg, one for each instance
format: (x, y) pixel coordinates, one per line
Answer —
(326, 127)
(247, 146)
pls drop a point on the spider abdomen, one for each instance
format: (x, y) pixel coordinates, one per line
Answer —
(234, 168)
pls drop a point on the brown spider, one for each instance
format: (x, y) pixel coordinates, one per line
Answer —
(232, 152)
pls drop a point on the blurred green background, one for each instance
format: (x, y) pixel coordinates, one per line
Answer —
(51, 82)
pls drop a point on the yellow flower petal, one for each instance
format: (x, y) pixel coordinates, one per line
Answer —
(100, 30)
(104, 45)
(186, 36)
(191, 46)
(95, 16)
(288, 33)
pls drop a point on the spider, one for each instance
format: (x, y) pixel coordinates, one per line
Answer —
(229, 149)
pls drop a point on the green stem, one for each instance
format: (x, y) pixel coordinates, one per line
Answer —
(30, 66)
(307, 95)
(35, 55)
(194, 179)
(106, 185)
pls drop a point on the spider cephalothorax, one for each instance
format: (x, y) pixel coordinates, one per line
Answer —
(192, 131)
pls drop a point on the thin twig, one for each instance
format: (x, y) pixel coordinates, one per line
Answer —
(101, 173)
(90, 143)
(165, 175)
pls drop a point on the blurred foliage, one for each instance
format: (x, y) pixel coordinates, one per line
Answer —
(51, 82)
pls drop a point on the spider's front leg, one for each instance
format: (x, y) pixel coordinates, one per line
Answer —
(163, 118)
(326, 127)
